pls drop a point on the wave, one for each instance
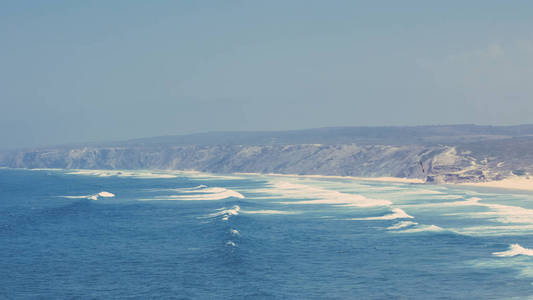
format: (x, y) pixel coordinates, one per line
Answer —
(235, 232)
(102, 194)
(423, 228)
(269, 212)
(496, 230)
(201, 186)
(498, 212)
(432, 193)
(231, 243)
(397, 213)
(200, 192)
(514, 250)
(401, 225)
(226, 213)
(317, 195)
(509, 214)
(123, 173)
(106, 194)
(474, 201)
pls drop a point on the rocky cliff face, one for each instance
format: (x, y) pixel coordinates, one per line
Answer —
(482, 160)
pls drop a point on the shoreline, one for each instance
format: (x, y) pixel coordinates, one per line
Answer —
(379, 179)
(509, 183)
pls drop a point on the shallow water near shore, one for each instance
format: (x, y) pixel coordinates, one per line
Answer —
(186, 235)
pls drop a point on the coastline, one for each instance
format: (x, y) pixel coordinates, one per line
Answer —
(510, 183)
(380, 179)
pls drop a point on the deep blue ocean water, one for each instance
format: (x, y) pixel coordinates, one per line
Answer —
(185, 235)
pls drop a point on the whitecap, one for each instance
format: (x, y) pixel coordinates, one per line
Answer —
(103, 194)
(397, 213)
(317, 195)
(401, 225)
(474, 201)
(226, 213)
(234, 232)
(498, 212)
(497, 230)
(231, 243)
(106, 194)
(269, 212)
(423, 228)
(123, 173)
(201, 193)
(514, 250)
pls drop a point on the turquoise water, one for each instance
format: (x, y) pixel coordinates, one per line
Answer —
(185, 235)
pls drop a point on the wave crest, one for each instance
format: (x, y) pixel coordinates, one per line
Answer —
(318, 195)
(201, 192)
(397, 213)
(102, 194)
(514, 250)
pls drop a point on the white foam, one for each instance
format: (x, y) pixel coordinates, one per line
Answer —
(269, 212)
(509, 214)
(514, 250)
(474, 201)
(76, 197)
(226, 213)
(201, 186)
(123, 173)
(401, 225)
(231, 243)
(235, 232)
(397, 213)
(423, 228)
(201, 193)
(498, 212)
(92, 197)
(106, 194)
(497, 230)
(318, 195)
(420, 192)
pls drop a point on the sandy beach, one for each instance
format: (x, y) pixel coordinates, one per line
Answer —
(514, 183)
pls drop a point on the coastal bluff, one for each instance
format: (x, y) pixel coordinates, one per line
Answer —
(439, 154)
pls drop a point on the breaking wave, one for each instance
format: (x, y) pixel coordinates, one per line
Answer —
(401, 225)
(102, 194)
(123, 173)
(201, 192)
(514, 250)
(317, 195)
(226, 213)
(397, 213)
(269, 212)
(423, 228)
(499, 212)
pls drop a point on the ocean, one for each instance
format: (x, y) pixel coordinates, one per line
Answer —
(96, 234)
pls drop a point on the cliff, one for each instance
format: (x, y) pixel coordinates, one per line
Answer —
(438, 154)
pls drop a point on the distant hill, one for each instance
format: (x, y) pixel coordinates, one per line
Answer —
(449, 153)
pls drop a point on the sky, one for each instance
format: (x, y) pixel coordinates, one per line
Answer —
(89, 71)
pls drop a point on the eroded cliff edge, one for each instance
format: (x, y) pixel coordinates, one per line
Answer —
(434, 153)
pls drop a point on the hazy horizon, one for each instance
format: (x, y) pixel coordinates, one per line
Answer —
(75, 72)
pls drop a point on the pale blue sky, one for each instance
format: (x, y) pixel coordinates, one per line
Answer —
(75, 71)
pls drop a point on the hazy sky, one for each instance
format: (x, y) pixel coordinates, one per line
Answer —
(74, 71)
